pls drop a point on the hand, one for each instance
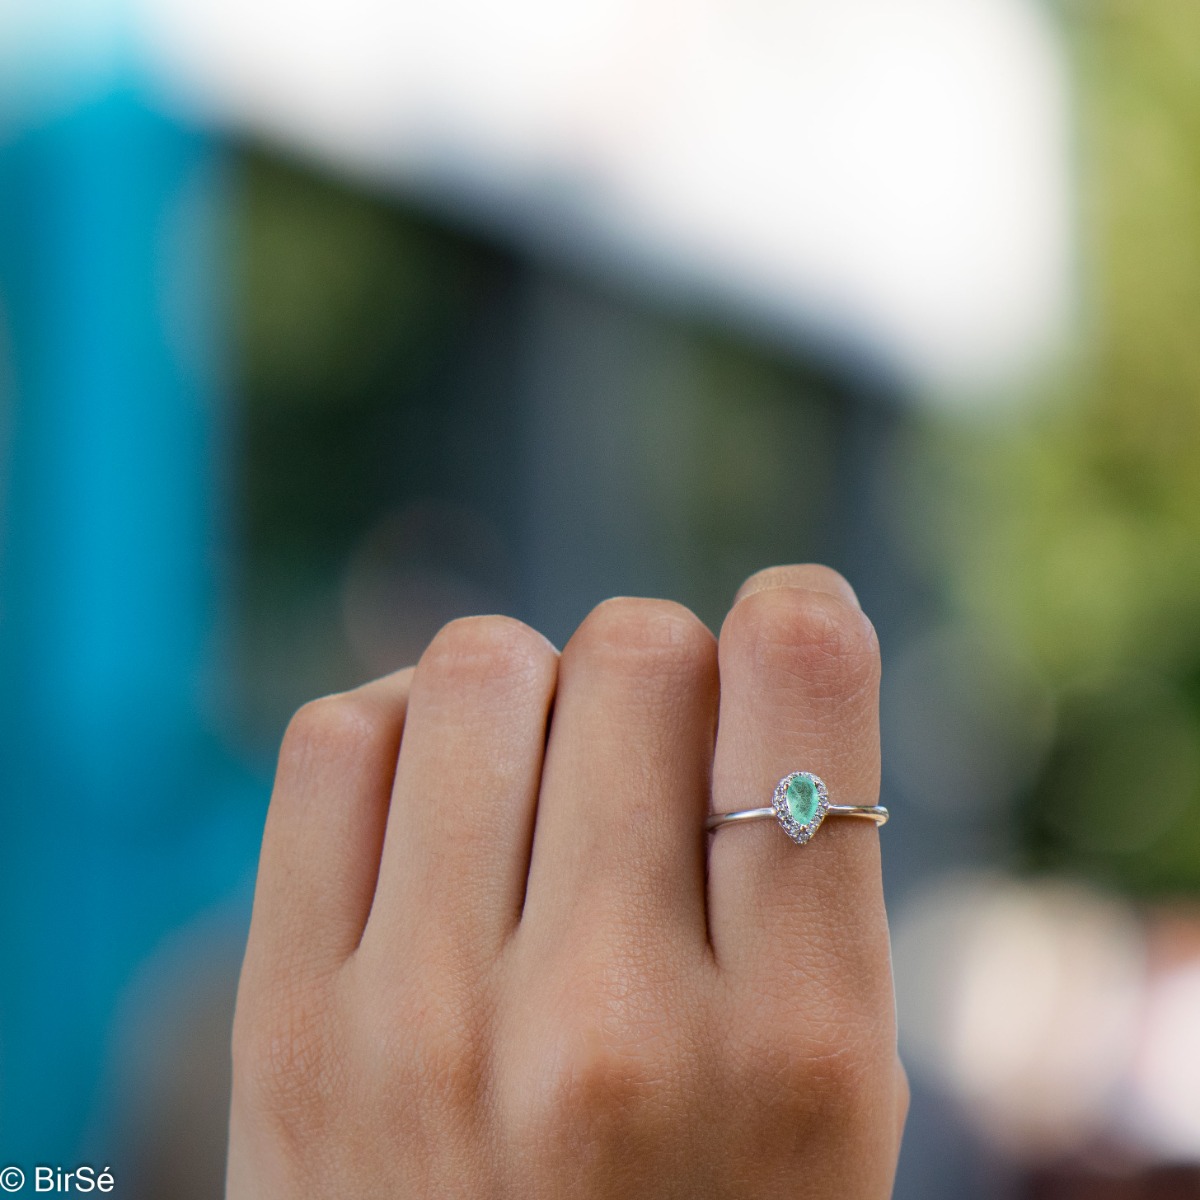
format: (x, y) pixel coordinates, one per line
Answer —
(498, 956)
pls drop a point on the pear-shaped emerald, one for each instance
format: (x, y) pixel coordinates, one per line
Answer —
(803, 799)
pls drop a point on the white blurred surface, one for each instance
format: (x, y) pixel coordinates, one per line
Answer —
(1024, 1000)
(892, 175)
(1165, 1113)
(1063, 1020)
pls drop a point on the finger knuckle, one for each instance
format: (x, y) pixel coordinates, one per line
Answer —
(597, 1080)
(447, 1073)
(337, 726)
(830, 1077)
(628, 632)
(810, 575)
(286, 1066)
(842, 1080)
(428, 1052)
(471, 651)
(598, 1086)
(796, 634)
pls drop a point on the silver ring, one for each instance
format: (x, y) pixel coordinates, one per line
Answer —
(800, 803)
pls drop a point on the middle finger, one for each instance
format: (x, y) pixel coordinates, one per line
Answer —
(619, 837)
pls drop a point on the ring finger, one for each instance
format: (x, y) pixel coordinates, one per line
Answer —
(799, 669)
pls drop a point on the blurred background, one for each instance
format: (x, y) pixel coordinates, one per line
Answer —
(320, 326)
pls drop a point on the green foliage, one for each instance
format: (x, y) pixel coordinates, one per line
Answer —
(1077, 539)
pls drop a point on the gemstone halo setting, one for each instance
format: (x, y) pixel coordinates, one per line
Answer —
(800, 801)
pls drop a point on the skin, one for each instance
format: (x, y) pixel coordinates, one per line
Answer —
(494, 954)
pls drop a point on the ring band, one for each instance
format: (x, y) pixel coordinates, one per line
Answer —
(800, 803)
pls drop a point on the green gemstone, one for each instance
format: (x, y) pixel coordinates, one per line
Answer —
(803, 799)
